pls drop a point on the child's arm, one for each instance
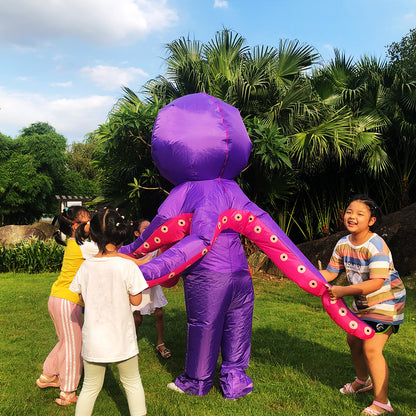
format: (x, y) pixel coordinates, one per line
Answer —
(136, 300)
(328, 276)
(139, 262)
(363, 288)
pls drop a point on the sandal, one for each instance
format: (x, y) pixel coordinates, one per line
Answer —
(163, 351)
(66, 398)
(348, 389)
(371, 411)
(45, 381)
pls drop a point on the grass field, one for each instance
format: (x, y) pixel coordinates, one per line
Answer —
(299, 357)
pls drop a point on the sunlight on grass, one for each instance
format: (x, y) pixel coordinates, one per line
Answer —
(299, 357)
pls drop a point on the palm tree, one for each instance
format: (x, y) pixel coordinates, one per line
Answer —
(125, 158)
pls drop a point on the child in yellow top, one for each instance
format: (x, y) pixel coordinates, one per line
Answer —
(63, 366)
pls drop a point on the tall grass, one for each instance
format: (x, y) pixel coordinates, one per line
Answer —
(299, 358)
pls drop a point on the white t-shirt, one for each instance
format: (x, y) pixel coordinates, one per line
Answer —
(88, 249)
(108, 334)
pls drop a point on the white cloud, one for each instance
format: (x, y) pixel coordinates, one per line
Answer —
(220, 3)
(62, 84)
(73, 118)
(112, 78)
(30, 22)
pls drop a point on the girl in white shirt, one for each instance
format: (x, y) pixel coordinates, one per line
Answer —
(108, 284)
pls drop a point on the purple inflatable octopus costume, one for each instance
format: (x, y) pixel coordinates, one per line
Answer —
(200, 144)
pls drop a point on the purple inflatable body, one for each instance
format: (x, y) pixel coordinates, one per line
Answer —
(200, 144)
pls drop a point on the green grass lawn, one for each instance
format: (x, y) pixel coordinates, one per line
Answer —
(299, 357)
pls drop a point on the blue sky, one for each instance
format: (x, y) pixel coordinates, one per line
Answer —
(65, 61)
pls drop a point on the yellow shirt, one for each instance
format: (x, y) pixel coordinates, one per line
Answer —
(71, 263)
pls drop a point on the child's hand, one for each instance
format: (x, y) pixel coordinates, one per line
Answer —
(335, 292)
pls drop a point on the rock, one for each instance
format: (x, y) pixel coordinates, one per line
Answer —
(398, 229)
(11, 234)
(46, 227)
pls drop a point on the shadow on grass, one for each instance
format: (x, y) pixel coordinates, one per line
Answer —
(113, 389)
(174, 338)
(279, 349)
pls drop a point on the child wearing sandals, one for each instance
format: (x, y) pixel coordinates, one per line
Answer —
(153, 298)
(63, 366)
(379, 297)
(108, 284)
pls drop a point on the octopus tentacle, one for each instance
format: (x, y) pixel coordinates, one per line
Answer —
(295, 266)
(269, 238)
(168, 233)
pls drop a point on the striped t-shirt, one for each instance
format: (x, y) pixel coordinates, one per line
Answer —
(371, 260)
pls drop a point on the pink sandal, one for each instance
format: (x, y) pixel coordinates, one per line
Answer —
(348, 389)
(386, 408)
(66, 398)
(44, 381)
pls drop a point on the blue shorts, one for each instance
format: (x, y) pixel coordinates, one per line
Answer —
(381, 328)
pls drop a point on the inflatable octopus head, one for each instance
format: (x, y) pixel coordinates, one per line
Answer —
(199, 137)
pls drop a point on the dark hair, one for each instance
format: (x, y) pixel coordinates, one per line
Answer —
(66, 219)
(107, 226)
(135, 225)
(375, 211)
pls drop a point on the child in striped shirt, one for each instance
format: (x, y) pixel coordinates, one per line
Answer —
(379, 297)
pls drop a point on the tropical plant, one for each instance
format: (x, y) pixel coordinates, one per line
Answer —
(123, 155)
(324, 131)
(402, 54)
(31, 256)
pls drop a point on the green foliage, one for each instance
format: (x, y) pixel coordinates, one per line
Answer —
(32, 256)
(46, 147)
(23, 189)
(403, 53)
(320, 133)
(31, 169)
(36, 166)
(125, 160)
(306, 129)
(79, 159)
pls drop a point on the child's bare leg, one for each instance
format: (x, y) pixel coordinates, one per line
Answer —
(160, 325)
(160, 328)
(373, 351)
(138, 319)
(358, 359)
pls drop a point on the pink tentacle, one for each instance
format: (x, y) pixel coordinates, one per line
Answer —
(291, 264)
(167, 234)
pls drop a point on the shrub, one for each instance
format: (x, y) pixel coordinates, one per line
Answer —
(31, 256)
